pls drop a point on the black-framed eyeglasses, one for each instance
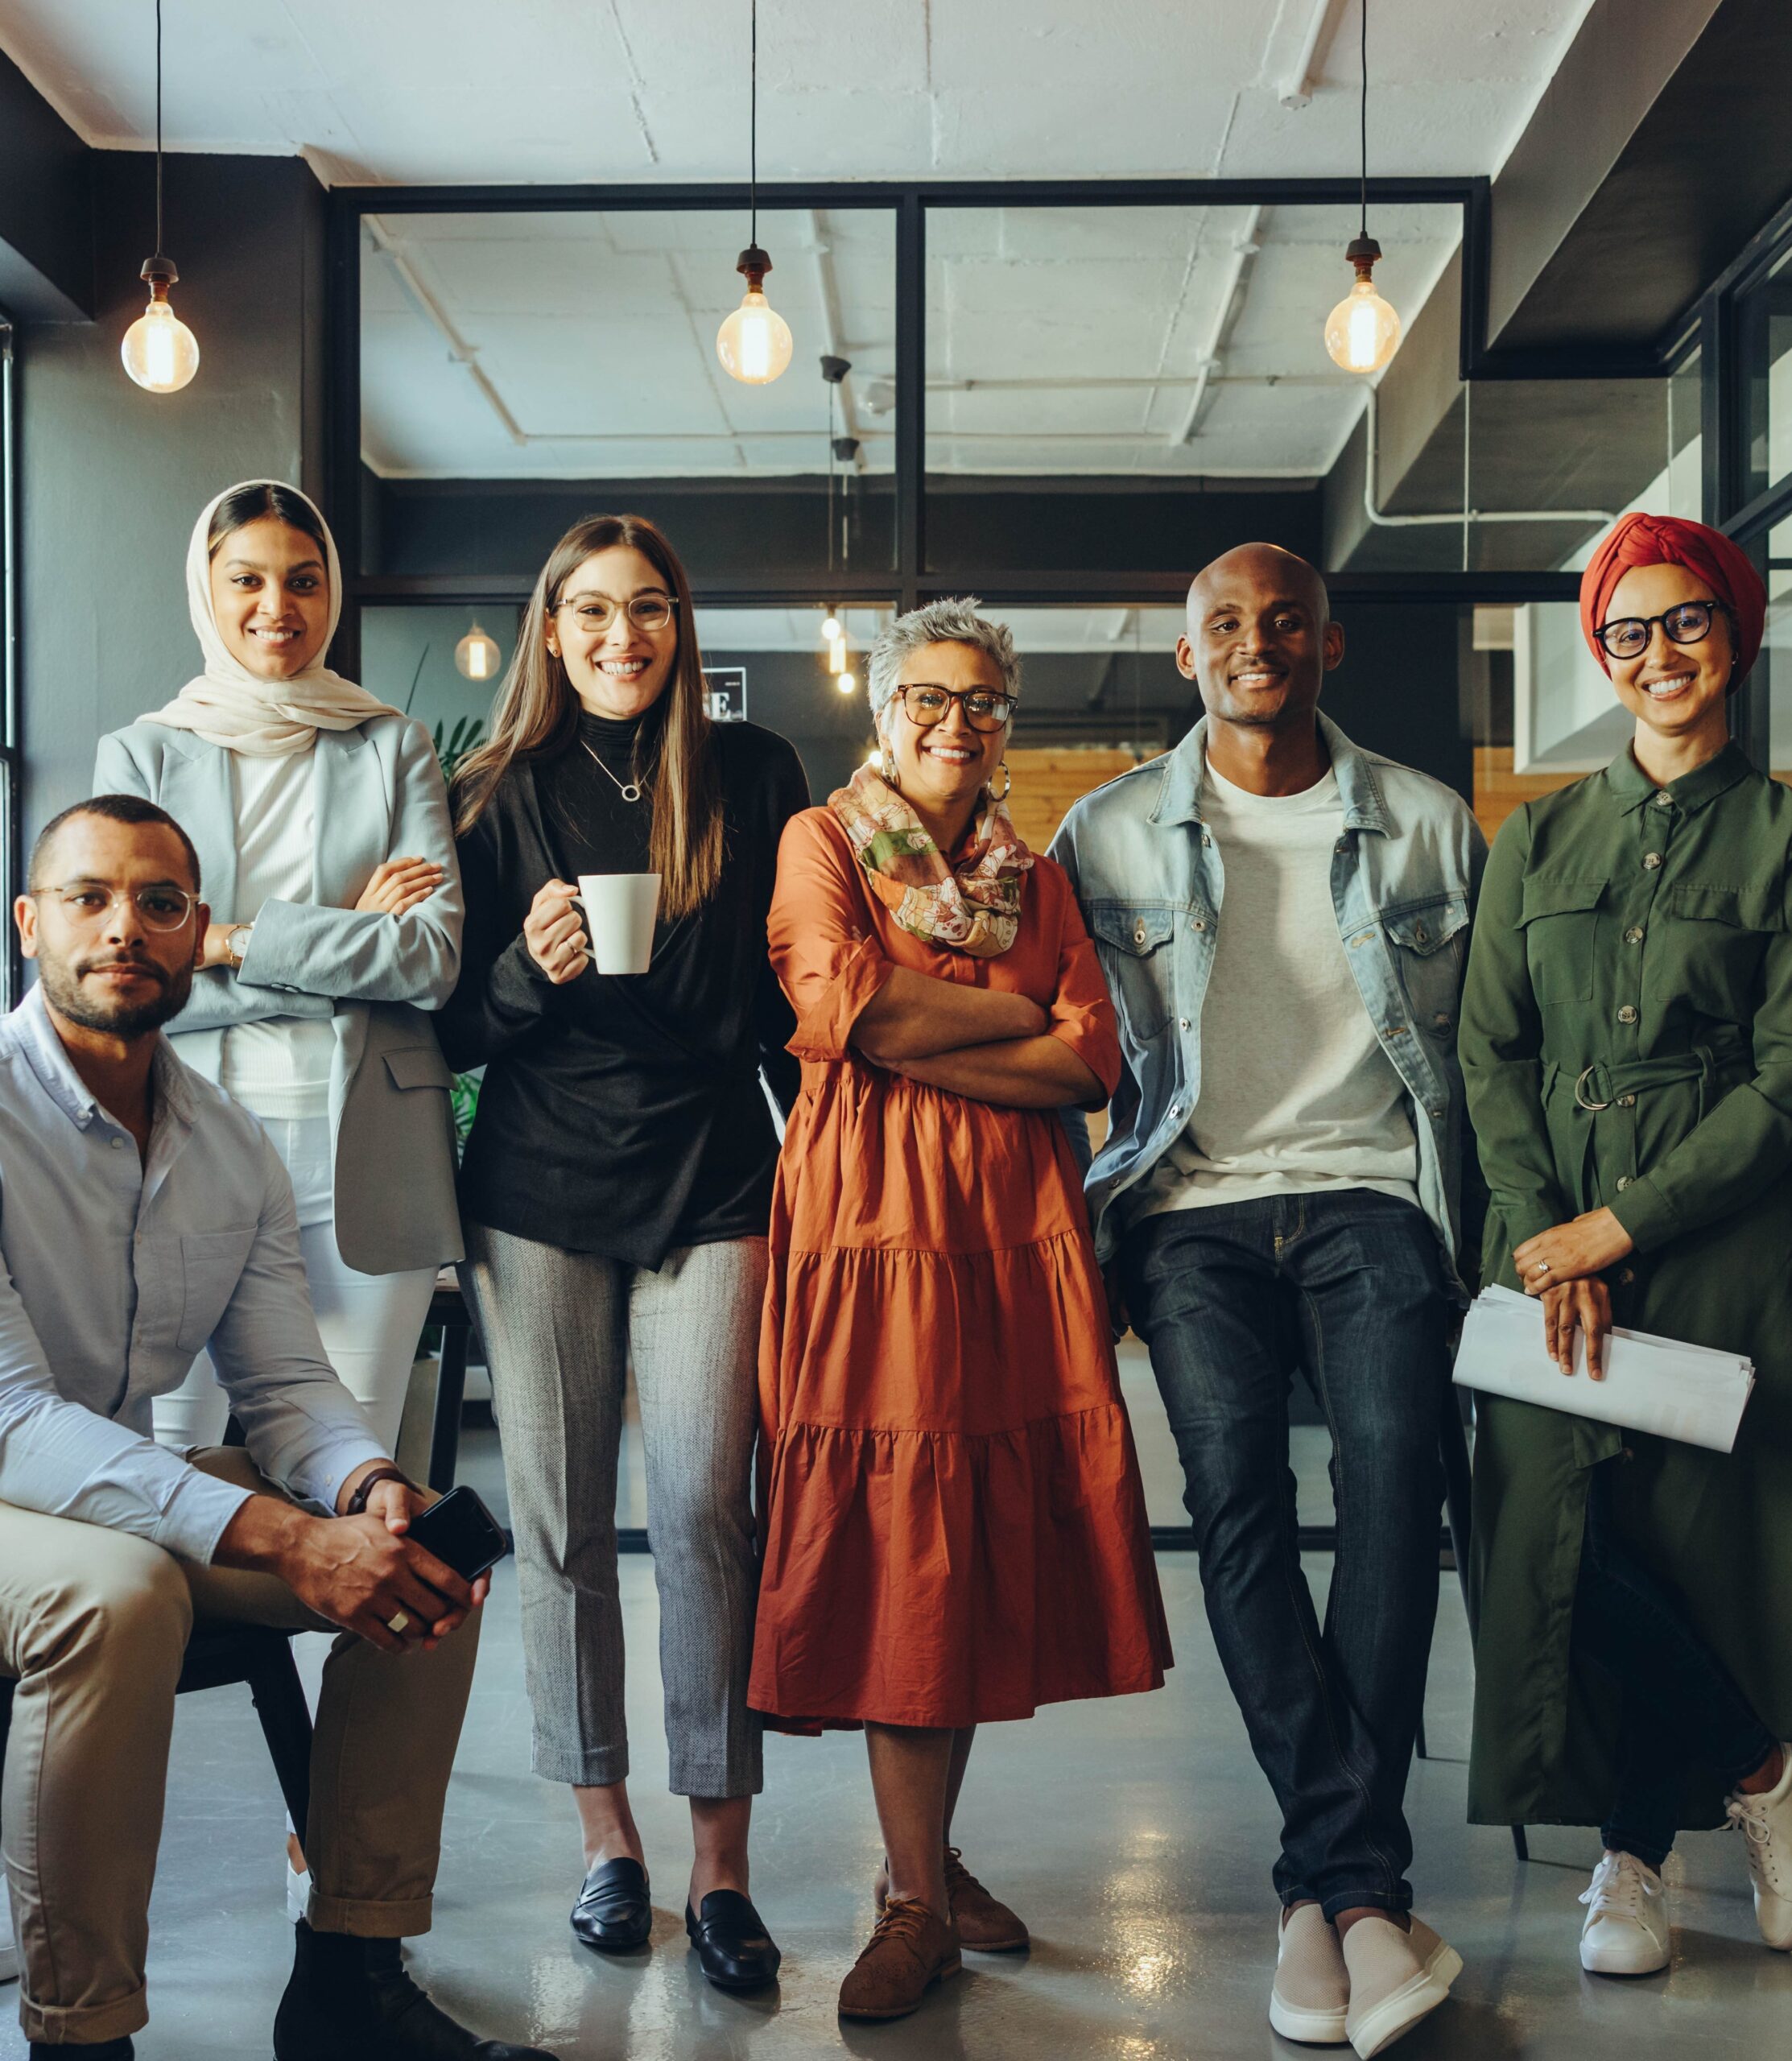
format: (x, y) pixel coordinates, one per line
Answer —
(925, 704)
(1688, 622)
(645, 611)
(87, 903)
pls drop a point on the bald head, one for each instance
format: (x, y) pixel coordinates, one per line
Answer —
(1260, 638)
(1257, 568)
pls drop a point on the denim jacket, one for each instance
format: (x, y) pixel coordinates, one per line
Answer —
(1404, 877)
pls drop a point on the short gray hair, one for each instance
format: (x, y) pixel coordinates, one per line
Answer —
(940, 622)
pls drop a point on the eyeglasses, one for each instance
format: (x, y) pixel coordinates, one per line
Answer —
(926, 705)
(1627, 637)
(645, 611)
(87, 903)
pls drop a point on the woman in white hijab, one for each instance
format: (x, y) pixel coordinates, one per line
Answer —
(327, 858)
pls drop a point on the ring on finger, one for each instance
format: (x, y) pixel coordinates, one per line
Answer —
(1542, 1266)
(396, 1623)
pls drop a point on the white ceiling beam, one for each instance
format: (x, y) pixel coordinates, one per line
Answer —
(1291, 58)
(432, 310)
(1245, 248)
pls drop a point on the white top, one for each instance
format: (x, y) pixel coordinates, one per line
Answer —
(1296, 1094)
(279, 1069)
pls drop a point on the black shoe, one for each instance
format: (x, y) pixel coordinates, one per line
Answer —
(350, 1999)
(109, 2050)
(736, 1951)
(613, 1914)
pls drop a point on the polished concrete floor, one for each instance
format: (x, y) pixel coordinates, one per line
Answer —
(1136, 1837)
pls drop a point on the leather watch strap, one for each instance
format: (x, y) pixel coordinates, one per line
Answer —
(357, 1502)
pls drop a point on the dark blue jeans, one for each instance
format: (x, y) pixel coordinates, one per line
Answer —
(1348, 1289)
(1681, 1704)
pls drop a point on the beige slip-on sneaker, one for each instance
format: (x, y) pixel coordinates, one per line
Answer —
(1311, 1995)
(1396, 1979)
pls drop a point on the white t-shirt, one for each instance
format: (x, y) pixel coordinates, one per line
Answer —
(1296, 1093)
(279, 1069)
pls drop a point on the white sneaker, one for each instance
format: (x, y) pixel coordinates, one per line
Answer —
(9, 1946)
(1765, 1822)
(1626, 1928)
(298, 1892)
(1310, 1998)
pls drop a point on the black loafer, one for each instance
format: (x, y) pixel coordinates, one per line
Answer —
(613, 1914)
(736, 1951)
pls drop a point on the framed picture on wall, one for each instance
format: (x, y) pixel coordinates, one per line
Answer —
(728, 693)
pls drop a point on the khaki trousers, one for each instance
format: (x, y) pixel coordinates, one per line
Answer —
(93, 1623)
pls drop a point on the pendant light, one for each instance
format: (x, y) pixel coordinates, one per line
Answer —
(1362, 332)
(753, 343)
(476, 655)
(160, 353)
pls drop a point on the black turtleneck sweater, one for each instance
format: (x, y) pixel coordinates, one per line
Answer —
(623, 1114)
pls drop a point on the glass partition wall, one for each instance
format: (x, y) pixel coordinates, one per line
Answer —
(1063, 398)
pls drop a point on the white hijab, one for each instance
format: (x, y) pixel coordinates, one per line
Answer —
(227, 704)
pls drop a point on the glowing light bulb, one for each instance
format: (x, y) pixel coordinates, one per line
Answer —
(1362, 332)
(836, 655)
(831, 630)
(847, 683)
(160, 353)
(477, 656)
(753, 343)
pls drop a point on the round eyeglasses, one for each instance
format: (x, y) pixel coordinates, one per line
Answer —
(87, 903)
(926, 705)
(1627, 636)
(645, 611)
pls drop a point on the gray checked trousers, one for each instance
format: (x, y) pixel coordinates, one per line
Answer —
(560, 1330)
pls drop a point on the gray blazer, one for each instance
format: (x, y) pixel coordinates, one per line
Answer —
(379, 795)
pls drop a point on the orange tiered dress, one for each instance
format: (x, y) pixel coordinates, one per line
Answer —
(953, 1524)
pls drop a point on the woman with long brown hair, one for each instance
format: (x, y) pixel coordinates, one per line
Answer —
(616, 1191)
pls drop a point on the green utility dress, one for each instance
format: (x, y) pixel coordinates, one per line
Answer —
(1626, 1042)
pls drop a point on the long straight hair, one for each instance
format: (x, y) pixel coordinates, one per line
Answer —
(537, 717)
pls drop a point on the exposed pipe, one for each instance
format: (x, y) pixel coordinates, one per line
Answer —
(1458, 516)
(1295, 88)
(461, 352)
(1244, 247)
(833, 332)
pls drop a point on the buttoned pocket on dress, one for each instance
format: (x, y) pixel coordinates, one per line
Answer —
(1138, 962)
(1428, 938)
(211, 1266)
(1559, 918)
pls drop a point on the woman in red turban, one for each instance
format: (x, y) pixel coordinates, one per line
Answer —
(1626, 1041)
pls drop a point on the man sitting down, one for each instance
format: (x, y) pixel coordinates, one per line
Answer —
(144, 1218)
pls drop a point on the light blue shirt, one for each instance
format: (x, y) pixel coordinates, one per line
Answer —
(118, 1272)
(1405, 872)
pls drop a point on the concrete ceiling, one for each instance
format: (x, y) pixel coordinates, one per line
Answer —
(442, 91)
(1098, 341)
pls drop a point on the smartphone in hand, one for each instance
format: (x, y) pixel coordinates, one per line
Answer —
(461, 1533)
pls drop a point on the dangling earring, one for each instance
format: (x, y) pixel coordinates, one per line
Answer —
(1007, 782)
(886, 765)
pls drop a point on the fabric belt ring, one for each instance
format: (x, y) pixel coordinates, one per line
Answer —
(1598, 1086)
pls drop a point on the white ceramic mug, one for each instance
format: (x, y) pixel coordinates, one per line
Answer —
(620, 909)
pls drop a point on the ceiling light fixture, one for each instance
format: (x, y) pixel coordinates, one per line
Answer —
(160, 353)
(1362, 332)
(831, 630)
(753, 343)
(836, 655)
(476, 655)
(847, 683)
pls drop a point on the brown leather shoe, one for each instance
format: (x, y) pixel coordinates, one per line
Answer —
(909, 1950)
(983, 1925)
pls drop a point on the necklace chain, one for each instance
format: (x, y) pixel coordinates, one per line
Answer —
(631, 792)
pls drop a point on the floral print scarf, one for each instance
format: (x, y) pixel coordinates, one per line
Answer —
(974, 907)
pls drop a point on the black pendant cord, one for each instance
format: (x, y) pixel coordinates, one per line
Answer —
(752, 121)
(158, 128)
(1363, 121)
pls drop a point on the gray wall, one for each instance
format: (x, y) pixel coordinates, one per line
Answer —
(111, 478)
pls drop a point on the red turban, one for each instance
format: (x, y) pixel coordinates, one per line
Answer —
(1724, 567)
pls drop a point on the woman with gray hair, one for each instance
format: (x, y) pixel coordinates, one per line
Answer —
(953, 1524)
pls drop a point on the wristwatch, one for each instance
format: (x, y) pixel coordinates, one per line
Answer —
(236, 943)
(357, 1502)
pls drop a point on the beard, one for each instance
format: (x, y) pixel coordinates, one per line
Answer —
(62, 978)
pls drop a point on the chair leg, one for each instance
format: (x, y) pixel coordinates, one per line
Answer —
(1418, 1742)
(279, 1696)
(1454, 1446)
(1521, 1845)
(450, 1388)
